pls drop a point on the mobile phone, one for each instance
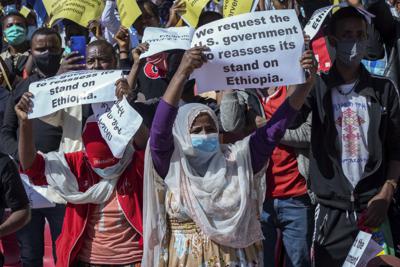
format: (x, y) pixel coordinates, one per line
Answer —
(78, 43)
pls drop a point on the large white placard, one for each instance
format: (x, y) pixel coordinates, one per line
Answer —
(163, 39)
(254, 50)
(118, 126)
(72, 89)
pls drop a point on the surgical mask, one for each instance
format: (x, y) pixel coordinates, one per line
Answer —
(111, 172)
(48, 63)
(10, 9)
(15, 35)
(351, 52)
(31, 30)
(205, 142)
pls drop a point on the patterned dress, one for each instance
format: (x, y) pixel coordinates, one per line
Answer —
(185, 245)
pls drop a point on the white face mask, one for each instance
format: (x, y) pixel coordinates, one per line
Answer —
(116, 170)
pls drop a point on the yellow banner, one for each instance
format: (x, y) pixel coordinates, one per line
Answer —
(237, 7)
(79, 11)
(129, 11)
(193, 11)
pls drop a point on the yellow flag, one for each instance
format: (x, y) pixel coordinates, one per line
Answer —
(193, 11)
(129, 11)
(79, 11)
(24, 11)
(236, 7)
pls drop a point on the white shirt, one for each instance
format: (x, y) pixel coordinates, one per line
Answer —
(352, 122)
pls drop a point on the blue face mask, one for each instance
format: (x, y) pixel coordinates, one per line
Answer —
(205, 142)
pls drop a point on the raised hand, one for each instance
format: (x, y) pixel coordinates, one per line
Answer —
(24, 106)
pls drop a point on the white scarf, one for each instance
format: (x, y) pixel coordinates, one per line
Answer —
(223, 204)
(64, 183)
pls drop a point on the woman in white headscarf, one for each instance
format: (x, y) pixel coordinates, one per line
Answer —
(202, 200)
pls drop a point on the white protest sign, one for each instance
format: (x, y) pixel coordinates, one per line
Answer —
(253, 50)
(318, 17)
(118, 126)
(36, 194)
(163, 39)
(101, 108)
(72, 89)
(363, 249)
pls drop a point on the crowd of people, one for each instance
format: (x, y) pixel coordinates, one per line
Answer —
(278, 176)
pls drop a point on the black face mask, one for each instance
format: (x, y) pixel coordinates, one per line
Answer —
(48, 63)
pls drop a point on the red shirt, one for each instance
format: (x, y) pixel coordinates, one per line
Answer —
(129, 192)
(283, 176)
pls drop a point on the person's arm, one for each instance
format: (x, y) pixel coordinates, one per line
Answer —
(178, 7)
(384, 22)
(123, 41)
(137, 64)
(232, 112)
(264, 139)
(26, 146)
(8, 132)
(15, 221)
(161, 138)
(16, 200)
(378, 206)
(300, 137)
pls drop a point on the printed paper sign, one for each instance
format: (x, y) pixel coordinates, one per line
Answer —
(163, 39)
(318, 17)
(129, 11)
(253, 50)
(72, 89)
(118, 126)
(193, 11)
(79, 11)
(36, 194)
(362, 251)
(237, 7)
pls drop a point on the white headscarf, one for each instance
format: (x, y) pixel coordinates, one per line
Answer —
(223, 203)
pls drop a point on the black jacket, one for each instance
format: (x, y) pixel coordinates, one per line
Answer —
(47, 137)
(326, 175)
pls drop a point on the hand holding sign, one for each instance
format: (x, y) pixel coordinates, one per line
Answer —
(118, 126)
(138, 51)
(192, 59)
(24, 106)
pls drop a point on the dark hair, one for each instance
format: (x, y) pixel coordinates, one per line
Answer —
(46, 31)
(153, 7)
(14, 14)
(341, 14)
(207, 17)
(103, 43)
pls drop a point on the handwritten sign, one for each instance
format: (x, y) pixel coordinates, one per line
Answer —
(72, 89)
(118, 126)
(163, 39)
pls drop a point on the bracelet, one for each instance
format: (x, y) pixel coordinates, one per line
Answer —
(392, 183)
